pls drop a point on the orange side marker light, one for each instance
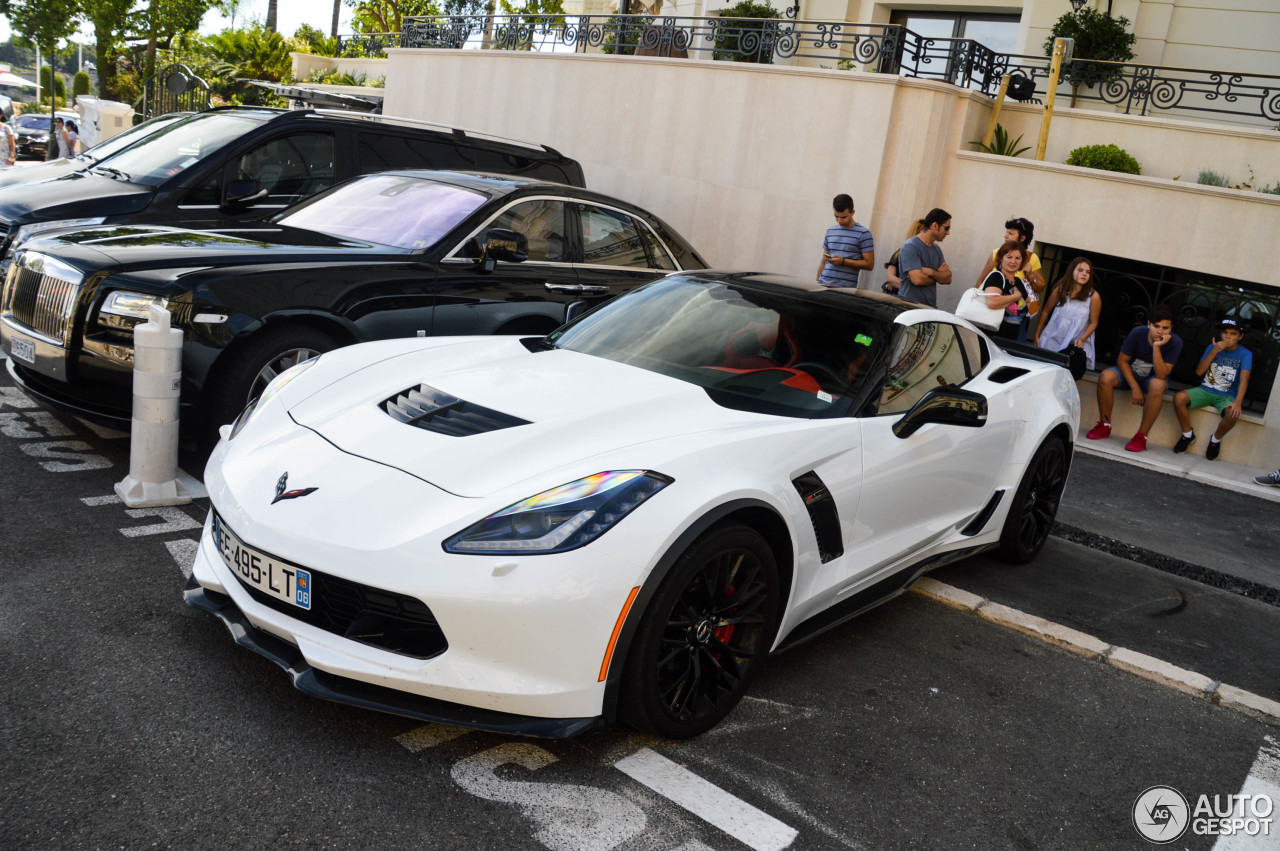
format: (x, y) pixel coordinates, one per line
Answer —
(617, 628)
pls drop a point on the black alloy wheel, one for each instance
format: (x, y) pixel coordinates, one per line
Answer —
(703, 635)
(1035, 505)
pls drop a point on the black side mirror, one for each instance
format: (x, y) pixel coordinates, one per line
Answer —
(946, 406)
(243, 193)
(502, 244)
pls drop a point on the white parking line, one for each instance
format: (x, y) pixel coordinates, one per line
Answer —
(712, 804)
(102, 431)
(1263, 779)
(422, 738)
(184, 554)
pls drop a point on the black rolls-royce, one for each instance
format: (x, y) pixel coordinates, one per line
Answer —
(385, 255)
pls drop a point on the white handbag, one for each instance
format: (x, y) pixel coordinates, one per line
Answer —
(973, 306)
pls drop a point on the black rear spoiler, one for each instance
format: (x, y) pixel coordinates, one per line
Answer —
(1033, 352)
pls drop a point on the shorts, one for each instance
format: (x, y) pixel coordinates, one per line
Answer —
(1201, 398)
(1143, 380)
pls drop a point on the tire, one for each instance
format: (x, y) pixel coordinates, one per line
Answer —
(703, 635)
(264, 356)
(1035, 504)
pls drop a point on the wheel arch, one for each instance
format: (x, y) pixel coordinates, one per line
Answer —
(754, 513)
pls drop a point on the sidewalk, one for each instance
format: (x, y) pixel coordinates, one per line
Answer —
(1189, 465)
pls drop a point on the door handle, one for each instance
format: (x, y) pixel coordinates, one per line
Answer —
(593, 289)
(569, 289)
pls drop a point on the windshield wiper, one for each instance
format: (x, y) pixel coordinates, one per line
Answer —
(112, 172)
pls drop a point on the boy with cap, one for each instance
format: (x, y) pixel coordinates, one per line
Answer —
(1225, 366)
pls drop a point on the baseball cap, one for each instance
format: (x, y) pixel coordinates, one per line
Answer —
(1229, 322)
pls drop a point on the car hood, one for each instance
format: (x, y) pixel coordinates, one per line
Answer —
(574, 407)
(75, 195)
(134, 247)
(41, 171)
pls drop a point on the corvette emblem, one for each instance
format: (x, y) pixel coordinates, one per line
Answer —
(281, 493)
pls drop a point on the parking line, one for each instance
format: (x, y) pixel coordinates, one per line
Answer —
(423, 738)
(1263, 779)
(734, 816)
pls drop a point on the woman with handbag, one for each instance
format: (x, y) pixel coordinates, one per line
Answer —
(1005, 289)
(1021, 231)
(1070, 315)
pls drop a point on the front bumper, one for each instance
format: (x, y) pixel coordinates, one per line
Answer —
(526, 635)
(318, 683)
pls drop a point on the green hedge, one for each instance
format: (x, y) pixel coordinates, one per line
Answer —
(1106, 158)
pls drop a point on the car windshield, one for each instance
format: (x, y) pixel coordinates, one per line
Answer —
(389, 209)
(762, 349)
(172, 150)
(133, 135)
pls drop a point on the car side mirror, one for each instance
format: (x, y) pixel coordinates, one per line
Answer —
(945, 406)
(243, 193)
(502, 244)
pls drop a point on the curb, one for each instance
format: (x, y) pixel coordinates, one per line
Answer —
(1087, 646)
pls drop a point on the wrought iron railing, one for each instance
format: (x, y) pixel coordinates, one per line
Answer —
(1130, 289)
(1136, 89)
(174, 88)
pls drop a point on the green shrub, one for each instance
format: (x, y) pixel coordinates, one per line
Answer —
(632, 30)
(80, 84)
(745, 41)
(1209, 177)
(1106, 158)
(1001, 145)
(1274, 189)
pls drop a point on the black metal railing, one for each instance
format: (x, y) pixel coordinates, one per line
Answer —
(1130, 289)
(888, 48)
(174, 88)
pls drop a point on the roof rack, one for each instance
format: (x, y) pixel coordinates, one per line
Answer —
(414, 122)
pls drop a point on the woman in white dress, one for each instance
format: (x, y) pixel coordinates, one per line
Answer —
(1070, 316)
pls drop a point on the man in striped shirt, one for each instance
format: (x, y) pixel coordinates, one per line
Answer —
(846, 249)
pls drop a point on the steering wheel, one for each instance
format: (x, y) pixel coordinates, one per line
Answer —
(820, 372)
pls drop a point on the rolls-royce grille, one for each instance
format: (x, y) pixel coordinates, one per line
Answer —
(432, 410)
(44, 303)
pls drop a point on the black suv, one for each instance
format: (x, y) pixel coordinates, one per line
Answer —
(229, 166)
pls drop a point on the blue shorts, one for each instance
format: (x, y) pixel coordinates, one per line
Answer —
(1123, 384)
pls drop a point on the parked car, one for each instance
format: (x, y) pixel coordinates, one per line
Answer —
(624, 518)
(385, 255)
(6, 107)
(32, 132)
(90, 157)
(225, 167)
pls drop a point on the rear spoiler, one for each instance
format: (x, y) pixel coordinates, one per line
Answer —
(1033, 352)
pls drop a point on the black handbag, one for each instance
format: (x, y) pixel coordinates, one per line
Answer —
(1077, 361)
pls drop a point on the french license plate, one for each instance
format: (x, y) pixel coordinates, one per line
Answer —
(23, 349)
(275, 578)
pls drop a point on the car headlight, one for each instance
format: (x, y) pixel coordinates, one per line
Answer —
(276, 385)
(561, 519)
(27, 231)
(132, 305)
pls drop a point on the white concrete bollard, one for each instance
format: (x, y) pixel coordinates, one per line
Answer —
(157, 383)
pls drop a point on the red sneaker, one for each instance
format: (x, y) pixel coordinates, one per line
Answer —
(1101, 431)
(1138, 443)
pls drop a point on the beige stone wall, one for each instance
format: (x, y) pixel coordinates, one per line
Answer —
(305, 63)
(743, 160)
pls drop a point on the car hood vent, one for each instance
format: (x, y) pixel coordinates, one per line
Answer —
(430, 409)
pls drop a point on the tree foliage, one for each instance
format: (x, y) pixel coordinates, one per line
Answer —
(387, 16)
(80, 84)
(1097, 36)
(255, 53)
(746, 41)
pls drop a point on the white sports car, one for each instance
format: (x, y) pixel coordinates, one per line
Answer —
(621, 519)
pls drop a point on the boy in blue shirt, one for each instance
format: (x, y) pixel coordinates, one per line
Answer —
(1225, 366)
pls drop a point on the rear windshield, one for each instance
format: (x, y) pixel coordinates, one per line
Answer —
(388, 209)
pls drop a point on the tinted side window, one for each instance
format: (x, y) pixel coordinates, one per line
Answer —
(381, 152)
(290, 167)
(610, 239)
(975, 351)
(542, 223)
(658, 256)
(924, 356)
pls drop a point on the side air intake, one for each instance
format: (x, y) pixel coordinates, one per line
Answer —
(430, 409)
(822, 514)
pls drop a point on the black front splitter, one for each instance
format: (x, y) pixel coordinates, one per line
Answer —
(367, 696)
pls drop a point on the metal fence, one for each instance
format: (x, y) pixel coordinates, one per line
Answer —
(1131, 289)
(887, 48)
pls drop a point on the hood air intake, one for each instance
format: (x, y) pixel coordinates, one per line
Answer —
(429, 409)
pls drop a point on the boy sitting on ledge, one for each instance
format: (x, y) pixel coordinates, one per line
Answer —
(1225, 366)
